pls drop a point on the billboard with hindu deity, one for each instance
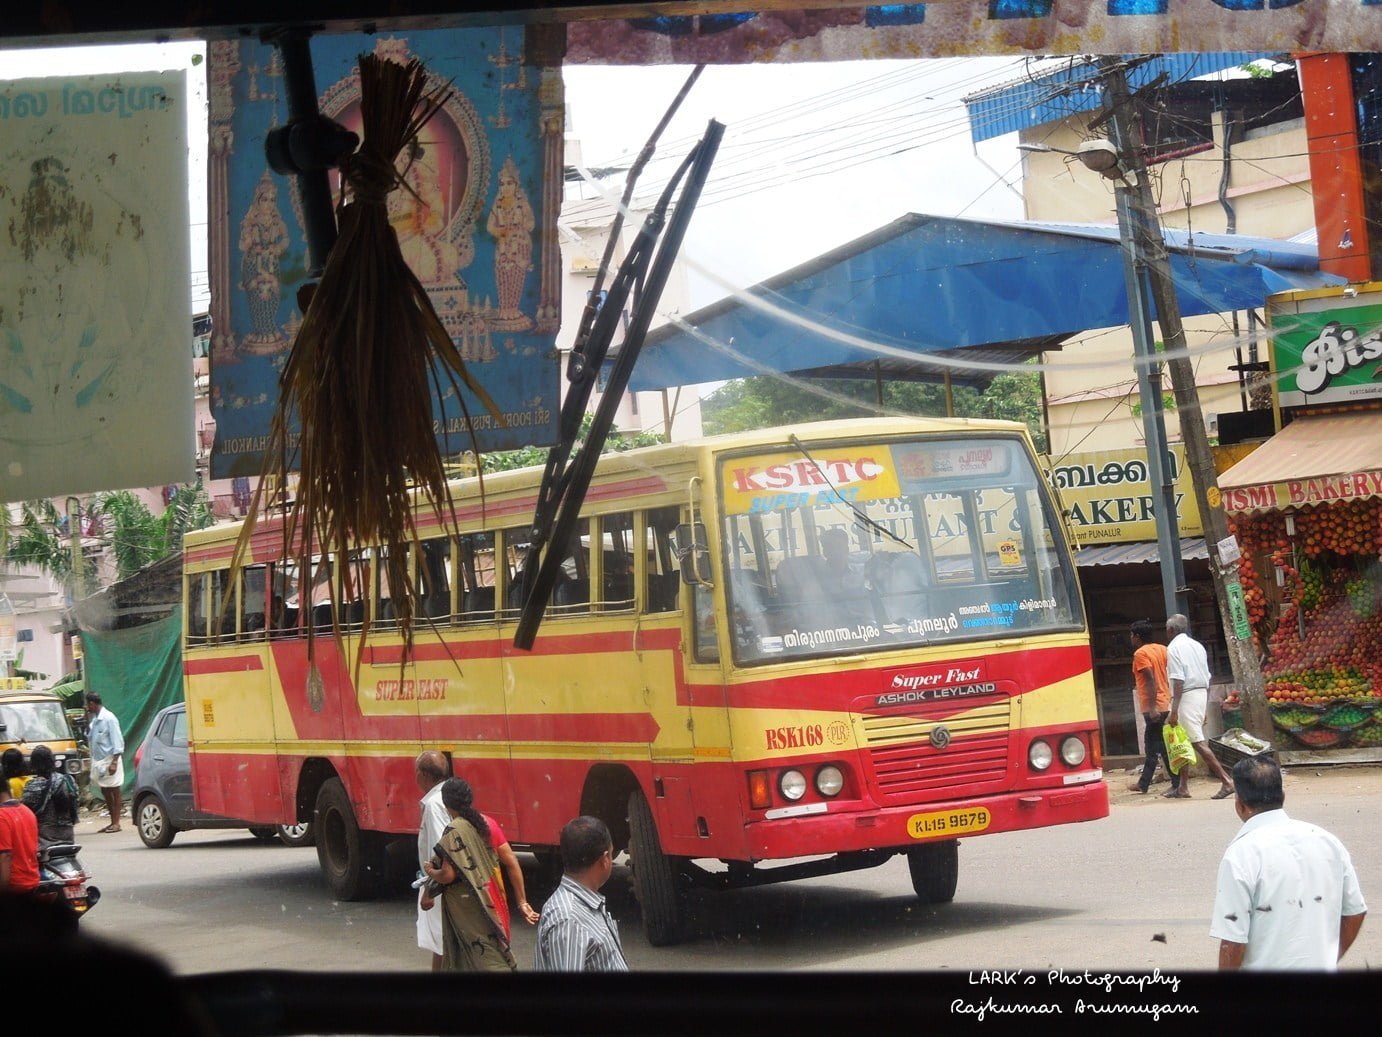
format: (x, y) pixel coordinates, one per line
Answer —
(476, 222)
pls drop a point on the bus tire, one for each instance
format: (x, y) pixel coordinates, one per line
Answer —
(655, 878)
(352, 861)
(935, 870)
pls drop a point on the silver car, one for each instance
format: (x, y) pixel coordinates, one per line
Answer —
(161, 803)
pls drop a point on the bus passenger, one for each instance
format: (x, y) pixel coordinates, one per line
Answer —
(838, 575)
(842, 583)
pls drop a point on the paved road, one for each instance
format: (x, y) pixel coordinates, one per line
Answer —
(1131, 892)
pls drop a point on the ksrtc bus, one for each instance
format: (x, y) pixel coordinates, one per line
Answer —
(837, 643)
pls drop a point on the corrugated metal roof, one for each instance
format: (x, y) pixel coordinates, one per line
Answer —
(922, 288)
(1073, 88)
(1312, 448)
(1191, 549)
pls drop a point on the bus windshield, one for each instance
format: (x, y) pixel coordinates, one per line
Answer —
(845, 548)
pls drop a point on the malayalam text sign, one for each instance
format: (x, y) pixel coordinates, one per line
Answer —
(1111, 499)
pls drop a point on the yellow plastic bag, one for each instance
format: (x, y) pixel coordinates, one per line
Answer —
(1179, 751)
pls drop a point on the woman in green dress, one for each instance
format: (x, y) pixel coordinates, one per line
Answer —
(473, 937)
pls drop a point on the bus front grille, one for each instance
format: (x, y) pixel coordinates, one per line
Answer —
(907, 766)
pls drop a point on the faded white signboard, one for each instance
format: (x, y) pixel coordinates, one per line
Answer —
(9, 632)
(95, 310)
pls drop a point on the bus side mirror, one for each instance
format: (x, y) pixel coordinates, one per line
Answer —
(693, 553)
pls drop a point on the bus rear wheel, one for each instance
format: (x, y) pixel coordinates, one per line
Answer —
(935, 870)
(352, 861)
(656, 879)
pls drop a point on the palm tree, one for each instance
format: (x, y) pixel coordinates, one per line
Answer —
(33, 539)
(136, 536)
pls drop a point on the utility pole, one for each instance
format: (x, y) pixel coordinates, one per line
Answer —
(1162, 480)
(1149, 247)
(74, 531)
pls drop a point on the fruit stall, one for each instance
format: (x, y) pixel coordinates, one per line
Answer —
(1311, 570)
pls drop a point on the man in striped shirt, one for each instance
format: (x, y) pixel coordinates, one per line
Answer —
(577, 933)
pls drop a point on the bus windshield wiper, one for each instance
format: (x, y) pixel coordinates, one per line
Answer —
(860, 516)
(643, 274)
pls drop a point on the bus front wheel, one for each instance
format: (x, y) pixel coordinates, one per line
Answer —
(935, 869)
(656, 881)
(352, 861)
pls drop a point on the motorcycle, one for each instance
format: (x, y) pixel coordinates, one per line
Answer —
(63, 879)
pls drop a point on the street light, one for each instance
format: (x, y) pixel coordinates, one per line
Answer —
(1097, 155)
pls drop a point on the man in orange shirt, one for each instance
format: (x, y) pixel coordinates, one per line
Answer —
(1153, 691)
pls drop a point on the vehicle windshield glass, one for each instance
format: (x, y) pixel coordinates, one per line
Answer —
(850, 548)
(33, 722)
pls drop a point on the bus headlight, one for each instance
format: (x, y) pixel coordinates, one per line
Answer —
(829, 780)
(1039, 755)
(1072, 751)
(792, 784)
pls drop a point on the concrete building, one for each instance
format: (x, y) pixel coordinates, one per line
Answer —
(1230, 157)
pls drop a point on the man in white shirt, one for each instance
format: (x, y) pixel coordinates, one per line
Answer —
(1287, 896)
(430, 769)
(1187, 668)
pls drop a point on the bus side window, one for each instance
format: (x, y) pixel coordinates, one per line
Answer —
(196, 609)
(663, 575)
(434, 578)
(316, 597)
(515, 548)
(572, 591)
(385, 617)
(616, 536)
(283, 618)
(224, 610)
(477, 575)
(706, 642)
(252, 616)
(352, 596)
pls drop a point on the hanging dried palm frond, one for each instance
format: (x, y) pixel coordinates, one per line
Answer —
(360, 375)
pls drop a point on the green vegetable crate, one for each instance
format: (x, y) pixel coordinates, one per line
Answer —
(1344, 724)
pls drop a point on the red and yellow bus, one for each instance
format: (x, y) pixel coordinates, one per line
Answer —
(842, 642)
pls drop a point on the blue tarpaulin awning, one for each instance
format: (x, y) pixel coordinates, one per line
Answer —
(956, 291)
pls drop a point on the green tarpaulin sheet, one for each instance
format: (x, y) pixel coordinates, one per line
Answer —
(136, 671)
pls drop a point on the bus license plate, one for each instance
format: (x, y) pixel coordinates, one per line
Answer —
(948, 822)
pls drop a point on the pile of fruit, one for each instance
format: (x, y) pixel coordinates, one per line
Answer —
(1319, 687)
(1320, 628)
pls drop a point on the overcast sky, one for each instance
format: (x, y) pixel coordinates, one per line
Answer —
(813, 155)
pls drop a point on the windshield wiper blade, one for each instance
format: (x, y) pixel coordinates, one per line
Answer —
(643, 274)
(861, 516)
